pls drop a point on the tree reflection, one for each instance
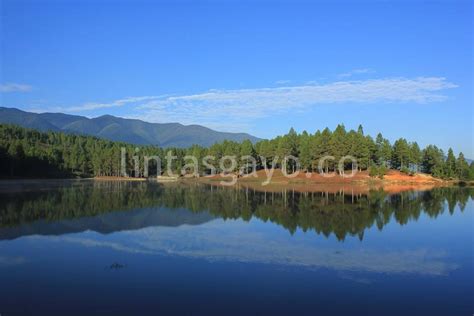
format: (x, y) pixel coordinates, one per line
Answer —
(342, 213)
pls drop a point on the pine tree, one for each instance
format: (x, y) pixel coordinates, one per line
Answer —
(433, 161)
(360, 148)
(305, 151)
(415, 156)
(247, 149)
(379, 145)
(337, 144)
(372, 150)
(462, 168)
(400, 154)
(383, 153)
(266, 152)
(450, 165)
(471, 171)
(288, 146)
(320, 147)
(353, 146)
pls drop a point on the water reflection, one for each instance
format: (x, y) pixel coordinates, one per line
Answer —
(241, 243)
(108, 207)
(147, 248)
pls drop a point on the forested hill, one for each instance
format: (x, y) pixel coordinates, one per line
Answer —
(29, 153)
(120, 129)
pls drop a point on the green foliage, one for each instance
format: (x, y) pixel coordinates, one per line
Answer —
(320, 147)
(29, 153)
(433, 161)
(337, 143)
(400, 154)
(383, 153)
(406, 170)
(306, 159)
(450, 165)
(378, 171)
(382, 171)
(462, 168)
(471, 171)
(327, 213)
(373, 171)
(415, 156)
(288, 145)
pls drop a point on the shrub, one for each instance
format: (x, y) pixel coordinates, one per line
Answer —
(377, 171)
(382, 171)
(405, 170)
(373, 171)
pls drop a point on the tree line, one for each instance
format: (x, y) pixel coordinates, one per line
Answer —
(29, 153)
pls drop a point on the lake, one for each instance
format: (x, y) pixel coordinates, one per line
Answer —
(95, 247)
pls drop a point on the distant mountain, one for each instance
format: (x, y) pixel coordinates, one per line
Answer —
(107, 223)
(120, 129)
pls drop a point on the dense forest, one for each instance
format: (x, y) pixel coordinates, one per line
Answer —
(339, 214)
(29, 153)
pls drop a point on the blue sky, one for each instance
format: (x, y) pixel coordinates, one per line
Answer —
(400, 67)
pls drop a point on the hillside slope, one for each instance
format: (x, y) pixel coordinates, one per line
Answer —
(120, 129)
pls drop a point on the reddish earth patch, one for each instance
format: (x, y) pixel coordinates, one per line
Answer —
(111, 178)
(393, 182)
(361, 183)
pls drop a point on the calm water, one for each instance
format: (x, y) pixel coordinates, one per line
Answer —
(84, 247)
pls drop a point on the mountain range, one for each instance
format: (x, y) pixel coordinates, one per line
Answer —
(121, 129)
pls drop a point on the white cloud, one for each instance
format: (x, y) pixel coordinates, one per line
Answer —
(239, 241)
(116, 103)
(244, 104)
(280, 82)
(231, 108)
(356, 72)
(14, 87)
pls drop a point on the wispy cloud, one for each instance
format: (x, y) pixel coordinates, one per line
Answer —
(14, 87)
(280, 82)
(238, 241)
(231, 108)
(356, 72)
(238, 105)
(116, 103)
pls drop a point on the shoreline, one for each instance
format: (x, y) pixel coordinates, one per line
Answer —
(392, 178)
(393, 182)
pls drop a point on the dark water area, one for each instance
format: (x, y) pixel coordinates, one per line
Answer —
(122, 248)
